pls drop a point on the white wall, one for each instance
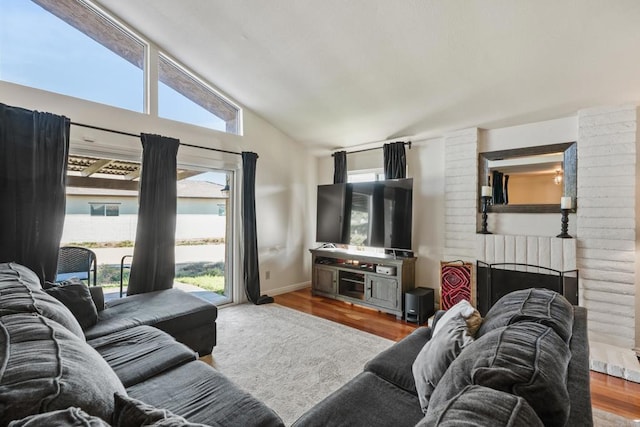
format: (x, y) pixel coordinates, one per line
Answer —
(285, 171)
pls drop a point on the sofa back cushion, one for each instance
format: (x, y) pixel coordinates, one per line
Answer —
(531, 305)
(525, 359)
(45, 368)
(17, 296)
(11, 272)
(481, 406)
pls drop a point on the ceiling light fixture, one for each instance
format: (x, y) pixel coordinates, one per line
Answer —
(558, 178)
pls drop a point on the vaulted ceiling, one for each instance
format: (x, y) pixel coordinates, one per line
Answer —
(337, 73)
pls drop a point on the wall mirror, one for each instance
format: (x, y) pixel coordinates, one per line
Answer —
(531, 179)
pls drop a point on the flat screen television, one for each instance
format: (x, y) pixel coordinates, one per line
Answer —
(374, 214)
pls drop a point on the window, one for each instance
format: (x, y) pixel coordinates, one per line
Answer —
(72, 49)
(103, 209)
(183, 97)
(222, 210)
(365, 176)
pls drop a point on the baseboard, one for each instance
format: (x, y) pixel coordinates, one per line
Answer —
(290, 288)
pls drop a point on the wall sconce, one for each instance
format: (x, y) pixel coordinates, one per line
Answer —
(558, 178)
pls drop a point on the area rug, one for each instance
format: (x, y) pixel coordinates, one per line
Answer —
(288, 359)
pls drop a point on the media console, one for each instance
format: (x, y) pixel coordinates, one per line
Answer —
(374, 280)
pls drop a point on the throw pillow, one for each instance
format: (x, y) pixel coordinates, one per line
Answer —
(47, 368)
(436, 356)
(73, 417)
(76, 297)
(484, 407)
(525, 359)
(129, 412)
(462, 309)
(531, 305)
(19, 297)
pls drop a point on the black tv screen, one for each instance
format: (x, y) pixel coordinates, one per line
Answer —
(373, 214)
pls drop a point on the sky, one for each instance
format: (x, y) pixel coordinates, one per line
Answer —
(38, 49)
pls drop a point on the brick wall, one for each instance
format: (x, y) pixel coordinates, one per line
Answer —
(461, 201)
(606, 222)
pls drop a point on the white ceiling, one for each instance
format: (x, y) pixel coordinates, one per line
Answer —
(338, 73)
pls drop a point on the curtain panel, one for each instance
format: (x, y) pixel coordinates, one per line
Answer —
(34, 148)
(153, 264)
(395, 160)
(249, 231)
(340, 167)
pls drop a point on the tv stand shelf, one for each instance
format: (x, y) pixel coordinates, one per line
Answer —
(354, 277)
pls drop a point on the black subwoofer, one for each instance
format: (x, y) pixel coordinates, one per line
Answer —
(418, 305)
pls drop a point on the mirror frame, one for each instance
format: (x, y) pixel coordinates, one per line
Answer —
(570, 172)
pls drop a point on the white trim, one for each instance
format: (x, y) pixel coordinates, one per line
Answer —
(290, 288)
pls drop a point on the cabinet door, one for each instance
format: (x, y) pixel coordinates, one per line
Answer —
(382, 291)
(325, 280)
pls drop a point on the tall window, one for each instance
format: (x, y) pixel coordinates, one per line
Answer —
(73, 48)
(62, 47)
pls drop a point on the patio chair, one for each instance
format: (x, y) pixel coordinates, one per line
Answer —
(75, 261)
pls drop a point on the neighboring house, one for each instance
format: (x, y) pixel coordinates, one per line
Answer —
(106, 215)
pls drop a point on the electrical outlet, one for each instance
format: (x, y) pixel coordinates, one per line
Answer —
(267, 275)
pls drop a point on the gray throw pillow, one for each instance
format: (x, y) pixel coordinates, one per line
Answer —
(531, 305)
(129, 412)
(70, 417)
(16, 296)
(482, 407)
(76, 297)
(436, 356)
(47, 368)
(525, 359)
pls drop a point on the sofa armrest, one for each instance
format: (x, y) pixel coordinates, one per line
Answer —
(97, 295)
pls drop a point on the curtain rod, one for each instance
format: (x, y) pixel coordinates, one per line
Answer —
(119, 132)
(407, 143)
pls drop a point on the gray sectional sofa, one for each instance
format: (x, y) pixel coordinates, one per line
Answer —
(528, 365)
(132, 363)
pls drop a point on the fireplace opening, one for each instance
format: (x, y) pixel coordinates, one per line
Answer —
(496, 280)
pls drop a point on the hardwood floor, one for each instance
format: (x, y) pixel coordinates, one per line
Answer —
(608, 393)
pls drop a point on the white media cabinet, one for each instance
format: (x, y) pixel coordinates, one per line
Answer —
(356, 277)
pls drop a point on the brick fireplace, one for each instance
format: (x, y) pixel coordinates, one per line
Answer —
(604, 248)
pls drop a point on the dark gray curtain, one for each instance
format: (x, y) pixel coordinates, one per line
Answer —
(395, 160)
(497, 187)
(153, 264)
(250, 235)
(340, 167)
(34, 148)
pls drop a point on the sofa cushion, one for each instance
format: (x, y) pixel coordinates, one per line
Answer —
(201, 394)
(11, 272)
(76, 297)
(525, 359)
(482, 406)
(141, 352)
(531, 305)
(45, 368)
(130, 412)
(170, 310)
(436, 356)
(366, 400)
(394, 363)
(19, 296)
(70, 417)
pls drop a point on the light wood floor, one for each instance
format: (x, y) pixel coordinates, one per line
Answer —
(610, 394)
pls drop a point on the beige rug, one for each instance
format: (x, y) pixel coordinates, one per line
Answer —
(288, 359)
(291, 360)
